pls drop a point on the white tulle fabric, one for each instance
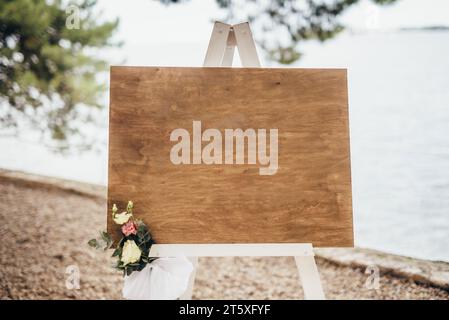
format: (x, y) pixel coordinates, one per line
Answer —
(162, 279)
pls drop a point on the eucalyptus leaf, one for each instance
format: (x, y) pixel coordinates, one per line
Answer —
(117, 252)
(106, 237)
(93, 243)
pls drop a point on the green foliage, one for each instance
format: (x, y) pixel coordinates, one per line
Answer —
(106, 239)
(142, 238)
(281, 25)
(104, 242)
(46, 73)
(93, 243)
(144, 242)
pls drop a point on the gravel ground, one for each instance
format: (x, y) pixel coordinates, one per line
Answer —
(43, 235)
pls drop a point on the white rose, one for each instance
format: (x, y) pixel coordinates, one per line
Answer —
(121, 218)
(130, 253)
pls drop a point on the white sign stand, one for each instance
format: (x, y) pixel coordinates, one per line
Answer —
(220, 52)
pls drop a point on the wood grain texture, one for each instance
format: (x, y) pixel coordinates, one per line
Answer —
(308, 200)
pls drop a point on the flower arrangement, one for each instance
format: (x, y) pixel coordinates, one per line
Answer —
(134, 246)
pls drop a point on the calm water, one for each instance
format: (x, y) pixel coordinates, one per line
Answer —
(399, 114)
(399, 118)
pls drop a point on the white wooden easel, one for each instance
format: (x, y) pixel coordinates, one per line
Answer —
(220, 53)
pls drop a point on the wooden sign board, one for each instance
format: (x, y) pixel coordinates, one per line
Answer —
(232, 155)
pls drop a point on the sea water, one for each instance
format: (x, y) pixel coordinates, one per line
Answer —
(399, 123)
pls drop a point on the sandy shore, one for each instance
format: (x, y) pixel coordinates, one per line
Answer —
(44, 228)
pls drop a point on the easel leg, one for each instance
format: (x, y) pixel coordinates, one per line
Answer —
(229, 51)
(188, 294)
(310, 278)
(246, 45)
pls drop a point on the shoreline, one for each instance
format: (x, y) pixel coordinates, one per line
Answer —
(434, 274)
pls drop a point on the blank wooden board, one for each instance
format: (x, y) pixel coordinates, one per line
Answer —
(308, 199)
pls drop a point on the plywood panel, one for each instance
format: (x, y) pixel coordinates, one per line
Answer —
(307, 200)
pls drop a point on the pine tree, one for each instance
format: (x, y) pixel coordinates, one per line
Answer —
(46, 74)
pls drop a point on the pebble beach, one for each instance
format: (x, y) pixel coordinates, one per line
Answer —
(45, 225)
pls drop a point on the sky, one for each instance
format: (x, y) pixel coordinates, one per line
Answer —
(177, 35)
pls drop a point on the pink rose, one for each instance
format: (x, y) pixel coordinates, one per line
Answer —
(129, 228)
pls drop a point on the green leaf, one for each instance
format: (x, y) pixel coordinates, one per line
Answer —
(134, 265)
(107, 239)
(105, 236)
(117, 252)
(121, 242)
(93, 243)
